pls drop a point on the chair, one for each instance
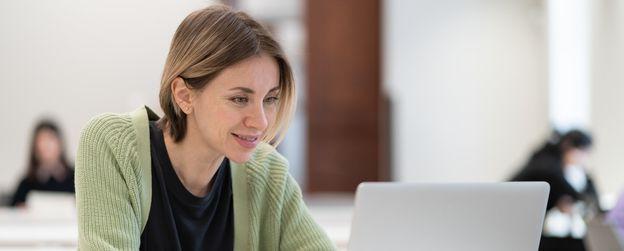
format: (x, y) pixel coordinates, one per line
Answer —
(602, 236)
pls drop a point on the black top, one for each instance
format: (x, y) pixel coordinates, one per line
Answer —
(546, 165)
(53, 185)
(179, 220)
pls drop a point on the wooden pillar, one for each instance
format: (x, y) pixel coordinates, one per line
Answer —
(347, 131)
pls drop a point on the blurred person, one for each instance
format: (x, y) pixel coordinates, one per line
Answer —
(205, 176)
(48, 168)
(562, 163)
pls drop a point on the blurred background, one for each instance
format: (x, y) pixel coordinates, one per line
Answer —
(389, 90)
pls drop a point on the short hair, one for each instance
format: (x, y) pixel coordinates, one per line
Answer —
(575, 139)
(210, 40)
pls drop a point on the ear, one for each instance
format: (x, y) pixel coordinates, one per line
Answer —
(182, 95)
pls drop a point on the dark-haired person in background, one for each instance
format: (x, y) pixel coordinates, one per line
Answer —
(561, 162)
(48, 168)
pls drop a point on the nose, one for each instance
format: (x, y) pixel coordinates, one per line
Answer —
(256, 118)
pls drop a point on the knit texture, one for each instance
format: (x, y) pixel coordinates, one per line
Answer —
(113, 192)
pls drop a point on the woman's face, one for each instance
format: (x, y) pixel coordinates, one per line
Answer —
(233, 112)
(576, 156)
(47, 147)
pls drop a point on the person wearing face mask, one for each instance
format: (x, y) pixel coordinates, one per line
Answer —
(48, 168)
(562, 163)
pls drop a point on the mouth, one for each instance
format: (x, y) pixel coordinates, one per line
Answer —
(246, 137)
(247, 141)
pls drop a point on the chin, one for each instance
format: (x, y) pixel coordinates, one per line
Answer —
(240, 157)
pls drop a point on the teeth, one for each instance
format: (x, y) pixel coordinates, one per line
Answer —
(247, 138)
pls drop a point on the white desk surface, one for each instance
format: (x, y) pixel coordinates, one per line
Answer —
(52, 226)
(25, 228)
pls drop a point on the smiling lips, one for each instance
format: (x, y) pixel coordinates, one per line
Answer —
(246, 140)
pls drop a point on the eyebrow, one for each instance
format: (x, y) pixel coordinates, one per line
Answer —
(250, 91)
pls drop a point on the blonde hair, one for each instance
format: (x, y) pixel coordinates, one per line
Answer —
(210, 40)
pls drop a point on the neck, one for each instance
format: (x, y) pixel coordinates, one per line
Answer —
(194, 163)
(49, 169)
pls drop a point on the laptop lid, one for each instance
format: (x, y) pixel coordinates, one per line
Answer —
(449, 217)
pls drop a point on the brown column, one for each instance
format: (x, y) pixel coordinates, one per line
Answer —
(348, 131)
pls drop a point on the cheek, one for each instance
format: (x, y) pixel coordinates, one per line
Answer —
(579, 158)
(271, 115)
(48, 148)
(231, 120)
(222, 122)
(584, 158)
(39, 151)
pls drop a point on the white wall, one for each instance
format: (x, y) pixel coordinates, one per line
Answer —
(569, 46)
(75, 59)
(607, 112)
(469, 84)
(468, 78)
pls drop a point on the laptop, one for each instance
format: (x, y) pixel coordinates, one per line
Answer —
(603, 236)
(449, 217)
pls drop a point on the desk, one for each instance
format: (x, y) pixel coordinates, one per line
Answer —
(48, 223)
(333, 212)
(52, 226)
(25, 229)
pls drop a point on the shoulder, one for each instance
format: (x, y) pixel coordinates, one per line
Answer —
(108, 137)
(25, 183)
(109, 129)
(267, 158)
(108, 126)
(267, 166)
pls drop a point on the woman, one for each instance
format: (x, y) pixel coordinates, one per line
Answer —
(48, 169)
(561, 162)
(204, 176)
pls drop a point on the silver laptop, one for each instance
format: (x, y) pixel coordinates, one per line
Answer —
(449, 217)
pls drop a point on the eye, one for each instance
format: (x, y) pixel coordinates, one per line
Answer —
(240, 100)
(271, 100)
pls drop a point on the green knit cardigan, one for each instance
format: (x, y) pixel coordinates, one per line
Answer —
(114, 185)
